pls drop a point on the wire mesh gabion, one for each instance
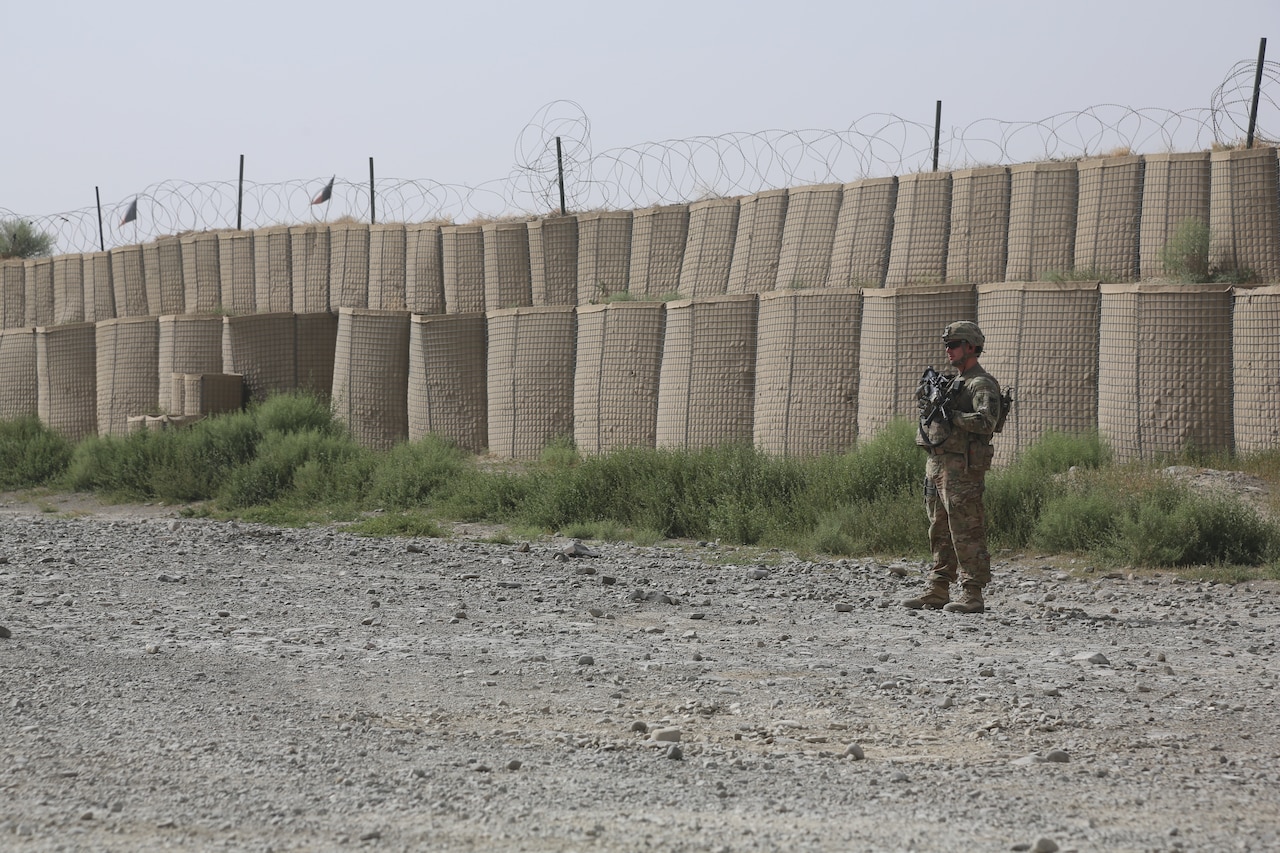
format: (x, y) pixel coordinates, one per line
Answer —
(806, 375)
(1042, 219)
(708, 251)
(99, 290)
(68, 289)
(19, 386)
(618, 363)
(348, 265)
(921, 226)
(13, 299)
(1154, 398)
(38, 280)
(864, 232)
(201, 278)
(66, 370)
(189, 343)
(604, 255)
(128, 371)
(1244, 213)
(808, 236)
(553, 260)
(447, 393)
(462, 247)
(530, 361)
(371, 376)
(507, 282)
(1175, 191)
(316, 337)
(424, 269)
(387, 259)
(1108, 216)
(706, 387)
(238, 288)
(309, 268)
(978, 245)
(658, 237)
(263, 348)
(1256, 393)
(128, 282)
(272, 270)
(757, 245)
(162, 272)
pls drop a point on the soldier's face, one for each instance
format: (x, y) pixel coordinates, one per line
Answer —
(958, 352)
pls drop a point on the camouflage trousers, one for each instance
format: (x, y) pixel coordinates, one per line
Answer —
(957, 520)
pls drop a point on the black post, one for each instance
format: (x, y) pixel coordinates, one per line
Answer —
(937, 133)
(373, 217)
(102, 243)
(240, 194)
(560, 172)
(1257, 90)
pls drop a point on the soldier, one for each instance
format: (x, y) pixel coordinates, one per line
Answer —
(960, 453)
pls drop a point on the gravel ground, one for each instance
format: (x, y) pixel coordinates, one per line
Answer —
(199, 685)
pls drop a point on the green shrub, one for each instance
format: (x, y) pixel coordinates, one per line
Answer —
(270, 475)
(30, 454)
(891, 524)
(118, 467)
(194, 463)
(1186, 256)
(410, 474)
(1077, 521)
(22, 239)
(296, 411)
(398, 524)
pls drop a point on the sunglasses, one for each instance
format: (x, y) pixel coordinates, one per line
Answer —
(954, 344)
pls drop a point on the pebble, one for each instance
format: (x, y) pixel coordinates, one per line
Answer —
(1044, 845)
(675, 753)
(1058, 756)
(854, 751)
(586, 660)
(843, 607)
(668, 734)
(514, 764)
(5, 633)
(1097, 658)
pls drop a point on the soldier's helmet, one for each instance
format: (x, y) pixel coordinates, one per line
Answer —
(963, 330)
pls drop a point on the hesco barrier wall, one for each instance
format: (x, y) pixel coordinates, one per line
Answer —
(128, 355)
(921, 227)
(1027, 222)
(67, 377)
(1175, 189)
(978, 244)
(99, 294)
(553, 260)
(273, 269)
(1109, 211)
(447, 392)
(38, 281)
(209, 393)
(309, 265)
(864, 230)
(604, 255)
(708, 250)
(901, 335)
(201, 275)
(530, 379)
(1244, 213)
(506, 266)
(1164, 382)
(348, 266)
(758, 243)
(1254, 373)
(424, 269)
(806, 375)
(658, 237)
(239, 290)
(1042, 219)
(189, 343)
(616, 374)
(706, 387)
(808, 235)
(462, 248)
(371, 375)
(68, 290)
(19, 395)
(387, 258)
(128, 281)
(263, 348)
(1042, 341)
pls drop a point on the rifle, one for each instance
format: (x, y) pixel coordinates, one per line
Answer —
(935, 394)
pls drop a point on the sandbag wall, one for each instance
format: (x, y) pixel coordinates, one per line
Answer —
(530, 362)
(616, 375)
(1256, 390)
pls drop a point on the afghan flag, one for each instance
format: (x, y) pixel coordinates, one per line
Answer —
(324, 194)
(131, 214)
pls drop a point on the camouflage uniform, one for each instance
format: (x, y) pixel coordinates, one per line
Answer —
(955, 479)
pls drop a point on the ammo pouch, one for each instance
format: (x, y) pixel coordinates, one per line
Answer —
(980, 454)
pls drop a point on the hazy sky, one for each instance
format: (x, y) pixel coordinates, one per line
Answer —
(125, 94)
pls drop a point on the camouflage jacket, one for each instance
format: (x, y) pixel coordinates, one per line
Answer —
(976, 408)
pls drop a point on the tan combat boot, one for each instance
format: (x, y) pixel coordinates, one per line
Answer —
(970, 600)
(935, 596)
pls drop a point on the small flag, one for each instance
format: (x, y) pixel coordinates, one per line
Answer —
(131, 214)
(324, 194)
